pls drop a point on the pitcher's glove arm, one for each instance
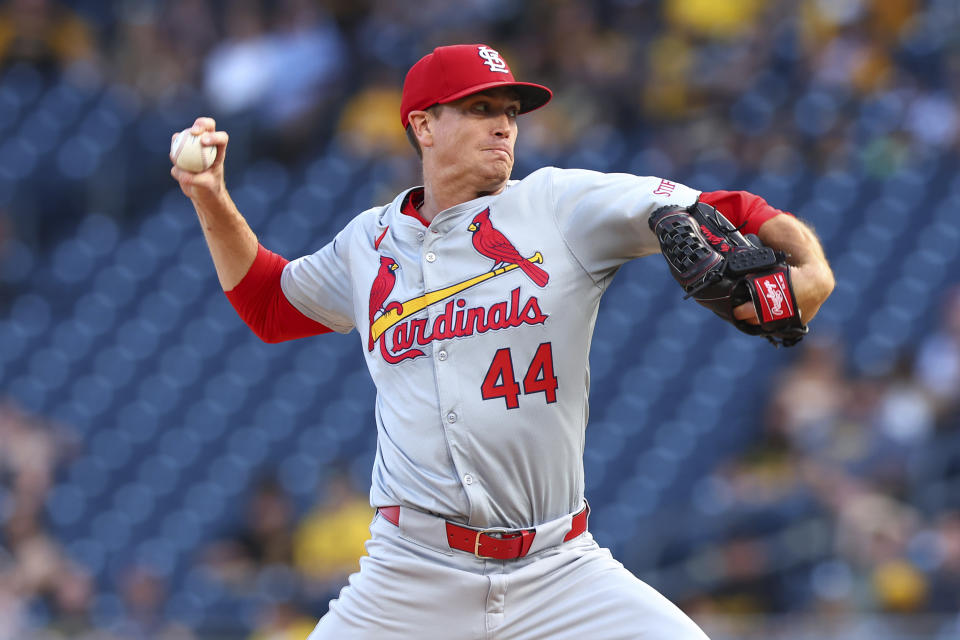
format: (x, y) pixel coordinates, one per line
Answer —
(721, 269)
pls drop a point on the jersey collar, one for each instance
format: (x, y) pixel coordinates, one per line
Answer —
(412, 203)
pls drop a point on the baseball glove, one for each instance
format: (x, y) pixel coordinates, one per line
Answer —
(721, 269)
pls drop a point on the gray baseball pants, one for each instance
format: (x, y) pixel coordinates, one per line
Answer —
(413, 586)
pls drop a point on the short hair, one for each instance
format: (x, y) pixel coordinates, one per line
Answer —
(412, 137)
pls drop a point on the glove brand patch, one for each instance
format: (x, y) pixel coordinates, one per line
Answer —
(774, 296)
(492, 59)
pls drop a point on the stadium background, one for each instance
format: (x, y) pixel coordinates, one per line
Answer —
(165, 475)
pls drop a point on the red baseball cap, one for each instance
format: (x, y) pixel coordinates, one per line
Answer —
(450, 73)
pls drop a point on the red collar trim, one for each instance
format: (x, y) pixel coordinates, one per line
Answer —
(412, 203)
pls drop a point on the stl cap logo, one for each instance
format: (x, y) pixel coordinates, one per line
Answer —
(492, 59)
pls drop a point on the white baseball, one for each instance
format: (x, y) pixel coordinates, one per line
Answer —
(189, 154)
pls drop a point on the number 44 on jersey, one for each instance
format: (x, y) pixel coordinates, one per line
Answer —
(500, 381)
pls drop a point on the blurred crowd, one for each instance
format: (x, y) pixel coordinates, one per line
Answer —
(655, 86)
(704, 89)
(288, 562)
(868, 466)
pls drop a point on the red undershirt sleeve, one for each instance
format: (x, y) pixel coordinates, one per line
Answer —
(741, 207)
(260, 302)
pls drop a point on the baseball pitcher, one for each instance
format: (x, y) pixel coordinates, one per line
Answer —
(474, 297)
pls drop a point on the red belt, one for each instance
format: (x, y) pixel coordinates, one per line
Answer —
(502, 545)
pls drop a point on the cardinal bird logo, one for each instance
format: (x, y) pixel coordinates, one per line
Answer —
(494, 245)
(380, 290)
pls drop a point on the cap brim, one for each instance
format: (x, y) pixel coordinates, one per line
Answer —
(532, 96)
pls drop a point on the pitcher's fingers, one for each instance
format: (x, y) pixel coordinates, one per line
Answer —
(202, 124)
(219, 139)
(216, 138)
(746, 313)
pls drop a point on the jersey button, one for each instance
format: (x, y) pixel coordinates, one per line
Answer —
(441, 355)
(431, 256)
(420, 236)
(451, 417)
(468, 479)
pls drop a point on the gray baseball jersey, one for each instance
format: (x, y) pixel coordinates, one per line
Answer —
(477, 333)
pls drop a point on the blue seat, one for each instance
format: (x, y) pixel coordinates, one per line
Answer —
(203, 336)
(181, 364)
(207, 500)
(162, 310)
(78, 157)
(9, 108)
(299, 474)
(104, 124)
(139, 420)
(160, 472)
(17, 262)
(320, 441)
(181, 444)
(90, 475)
(112, 447)
(66, 504)
(183, 527)
(116, 365)
(92, 394)
(138, 337)
(279, 420)
(159, 554)
(135, 500)
(666, 354)
(184, 281)
(874, 354)
(892, 323)
(925, 263)
(207, 420)
(73, 261)
(227, 390)
(295, 390)
(50, 366)
(269, 177)
(679, 437)
(942, 238)
(159, 391)
(752, 113)
(114, 528)
(138, 256)
(162, 233)
(24, 81)
(250, 444)
(31, 314)
(310, 205)
(65, 100)
(88, 552)
(815, 112)
(253, 202)
(117, 283)
(232, 472)
(838, 187)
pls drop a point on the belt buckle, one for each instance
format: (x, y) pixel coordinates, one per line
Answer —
(476, 542)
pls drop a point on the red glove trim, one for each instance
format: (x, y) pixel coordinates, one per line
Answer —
(741, 206)
(261, 303)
